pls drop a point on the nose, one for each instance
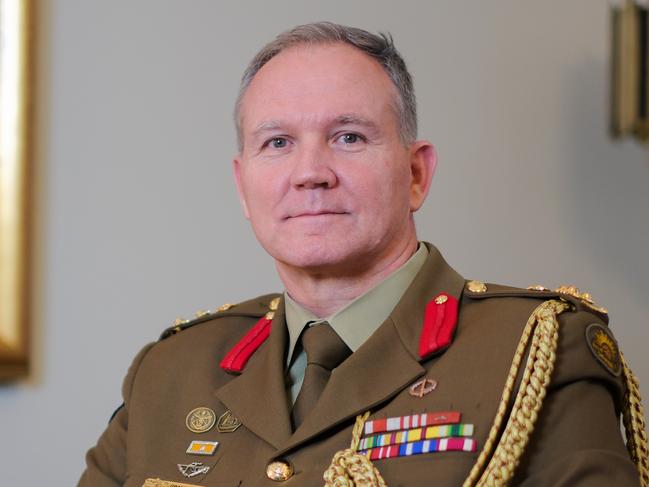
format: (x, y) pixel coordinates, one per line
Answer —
(312, 168)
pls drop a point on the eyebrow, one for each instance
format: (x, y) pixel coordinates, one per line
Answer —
(353, 119)
(266, 126)
(344, 119)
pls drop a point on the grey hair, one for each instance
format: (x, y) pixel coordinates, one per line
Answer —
(379, 47)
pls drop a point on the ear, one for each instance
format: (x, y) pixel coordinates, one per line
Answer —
(236, 168)
(423, 161)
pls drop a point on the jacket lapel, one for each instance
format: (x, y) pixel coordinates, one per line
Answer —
(435, 277)
(262, 382)
(355, 386)
(387, 362)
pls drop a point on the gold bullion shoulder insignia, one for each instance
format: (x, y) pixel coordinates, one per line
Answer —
(181, 324)
(225, 307)
(585, 298)
(538, 287)
(604, 348)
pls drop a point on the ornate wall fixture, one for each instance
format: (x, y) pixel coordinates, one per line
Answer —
(630, 69)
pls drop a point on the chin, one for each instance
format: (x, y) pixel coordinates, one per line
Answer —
(319, 254)
(311, 256)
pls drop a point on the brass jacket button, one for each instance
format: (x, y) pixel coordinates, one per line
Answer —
(279, 471)
(476, 287)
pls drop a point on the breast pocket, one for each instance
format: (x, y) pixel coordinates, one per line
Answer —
(142, 480)
(425, 470)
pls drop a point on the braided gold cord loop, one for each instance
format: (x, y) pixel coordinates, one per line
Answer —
(528, 402)
(634, 424)
(351, 469)
(544, 326)
(357, 432)
(500, 456)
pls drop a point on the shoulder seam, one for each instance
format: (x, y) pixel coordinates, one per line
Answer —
(136, 367)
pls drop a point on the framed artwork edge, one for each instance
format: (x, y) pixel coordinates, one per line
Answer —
(17, 91)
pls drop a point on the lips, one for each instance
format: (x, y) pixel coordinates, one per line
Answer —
(312, 213)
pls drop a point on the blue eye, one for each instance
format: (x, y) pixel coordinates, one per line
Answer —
(350, 138)
(278, 142)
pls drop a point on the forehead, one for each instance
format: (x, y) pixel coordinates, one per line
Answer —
(313, 82)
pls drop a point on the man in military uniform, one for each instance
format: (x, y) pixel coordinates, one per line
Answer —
(379, 364)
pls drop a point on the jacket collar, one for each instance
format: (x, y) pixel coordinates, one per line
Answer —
(390, 354)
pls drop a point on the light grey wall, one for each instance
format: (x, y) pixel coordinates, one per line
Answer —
(139, 220)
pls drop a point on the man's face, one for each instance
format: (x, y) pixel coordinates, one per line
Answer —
(323, 175)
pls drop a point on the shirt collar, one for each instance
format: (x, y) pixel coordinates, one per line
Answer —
(356, 322)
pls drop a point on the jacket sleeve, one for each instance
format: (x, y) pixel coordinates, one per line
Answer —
(577, 440)
(106, 461)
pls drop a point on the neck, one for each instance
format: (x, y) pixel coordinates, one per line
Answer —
(324, 293)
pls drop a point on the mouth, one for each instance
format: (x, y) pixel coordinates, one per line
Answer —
(315, 213)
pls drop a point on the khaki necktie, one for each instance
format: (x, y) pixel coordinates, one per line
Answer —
(325, 351)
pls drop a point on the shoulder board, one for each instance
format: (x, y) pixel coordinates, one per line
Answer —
(480, 290)
(254, 308)
(580, 300)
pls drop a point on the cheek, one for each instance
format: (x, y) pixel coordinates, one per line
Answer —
(259, 190)
(383, 188)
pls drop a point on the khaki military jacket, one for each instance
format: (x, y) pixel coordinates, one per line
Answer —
(576, 441)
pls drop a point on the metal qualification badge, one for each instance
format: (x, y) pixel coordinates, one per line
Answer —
(227, 423)
(193, 469)
(200, 420)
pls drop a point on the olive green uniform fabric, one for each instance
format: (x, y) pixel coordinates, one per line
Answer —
(577, 441)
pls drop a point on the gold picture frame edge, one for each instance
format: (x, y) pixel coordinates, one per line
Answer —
(17, 203)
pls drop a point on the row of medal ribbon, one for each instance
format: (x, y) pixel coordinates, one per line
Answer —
(415, 434)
